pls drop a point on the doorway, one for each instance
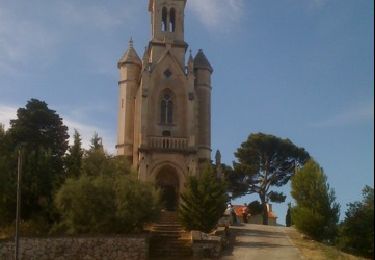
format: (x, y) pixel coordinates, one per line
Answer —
(168, 183)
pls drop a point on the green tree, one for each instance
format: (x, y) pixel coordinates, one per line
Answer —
(203, 202)
(96, 142)
(255, 208)
(356, 233)
(316, 213)
(44, 140)
(97, 162)
(8, 166)
(73, 160)
(106, 204)
(265, 161)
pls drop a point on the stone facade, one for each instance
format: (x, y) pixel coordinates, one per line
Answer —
(164, 116)
(71, 248)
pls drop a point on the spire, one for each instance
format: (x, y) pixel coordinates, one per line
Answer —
(201, 61)
(130, 56)
(190, 63)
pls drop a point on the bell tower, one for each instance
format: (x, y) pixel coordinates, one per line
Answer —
(167, 21)
(164, 122)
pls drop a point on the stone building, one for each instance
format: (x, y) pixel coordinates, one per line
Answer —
(164, 117)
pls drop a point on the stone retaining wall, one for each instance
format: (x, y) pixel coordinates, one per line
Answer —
(72, 248)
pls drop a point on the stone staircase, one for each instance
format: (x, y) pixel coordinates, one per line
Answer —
(168, 238)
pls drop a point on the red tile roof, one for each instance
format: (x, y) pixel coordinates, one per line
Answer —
(239, 209)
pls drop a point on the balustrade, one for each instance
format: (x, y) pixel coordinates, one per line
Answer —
(168, 143)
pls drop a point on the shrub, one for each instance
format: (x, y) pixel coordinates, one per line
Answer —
(255, 208)
(105, 204)
(203, 202)
(356, 233)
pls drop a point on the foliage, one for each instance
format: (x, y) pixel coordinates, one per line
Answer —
(265, 161)
(73, 160)
(37, 126)
(8, 181)
(316, 213)
(203, 202)
(255, 208)
(356, 233)
(96, 142)
(39, 132)
(105, 204)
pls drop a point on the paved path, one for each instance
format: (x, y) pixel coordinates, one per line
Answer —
(261, 242)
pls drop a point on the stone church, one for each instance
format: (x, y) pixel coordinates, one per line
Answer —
(164, 116)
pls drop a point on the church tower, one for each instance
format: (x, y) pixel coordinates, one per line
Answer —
(164, 116)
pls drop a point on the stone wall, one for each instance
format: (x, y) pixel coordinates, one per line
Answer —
(73, 248)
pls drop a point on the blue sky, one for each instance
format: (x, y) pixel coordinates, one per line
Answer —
(301, 69)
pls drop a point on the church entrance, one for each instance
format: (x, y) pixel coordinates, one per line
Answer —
(167, 181)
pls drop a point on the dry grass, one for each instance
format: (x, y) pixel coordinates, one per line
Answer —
(311, 249)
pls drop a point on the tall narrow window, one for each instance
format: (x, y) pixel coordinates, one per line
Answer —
(166, 111)
(164, 14)
(172, 18)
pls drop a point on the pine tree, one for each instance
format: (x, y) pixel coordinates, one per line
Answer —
(73, 160)
(356, 233)
(203, 202)
(316, 213)
(44, 140)
(264, 162)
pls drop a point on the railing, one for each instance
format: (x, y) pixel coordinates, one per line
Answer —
(168, 143)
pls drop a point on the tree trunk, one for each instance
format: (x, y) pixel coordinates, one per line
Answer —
(265, 210)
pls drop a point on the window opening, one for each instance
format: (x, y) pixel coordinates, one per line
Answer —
(166, 109)
(164, 19)
(166, 133)
(172, 18)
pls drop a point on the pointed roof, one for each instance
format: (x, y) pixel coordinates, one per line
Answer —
(190, 62)
(130, 56)
(146, 55)
(201, 61)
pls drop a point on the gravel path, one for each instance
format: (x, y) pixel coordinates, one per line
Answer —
(260, 242)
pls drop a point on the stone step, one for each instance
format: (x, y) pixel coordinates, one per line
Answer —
(167, 228)
(169, 239)
(170, 253)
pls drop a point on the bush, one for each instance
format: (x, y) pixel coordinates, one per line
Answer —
(255, 208)
(203, 202)
(105, 204)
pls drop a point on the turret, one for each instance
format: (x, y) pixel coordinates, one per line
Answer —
(203, 71)
(129, 66)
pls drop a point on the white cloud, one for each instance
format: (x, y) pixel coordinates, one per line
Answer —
(6, 114)
(356, 115)
(31, 36)
(87, 131)
(217, 14)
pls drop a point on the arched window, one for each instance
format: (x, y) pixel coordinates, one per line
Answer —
(172, 20)
(166, 111)
(164, 15)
